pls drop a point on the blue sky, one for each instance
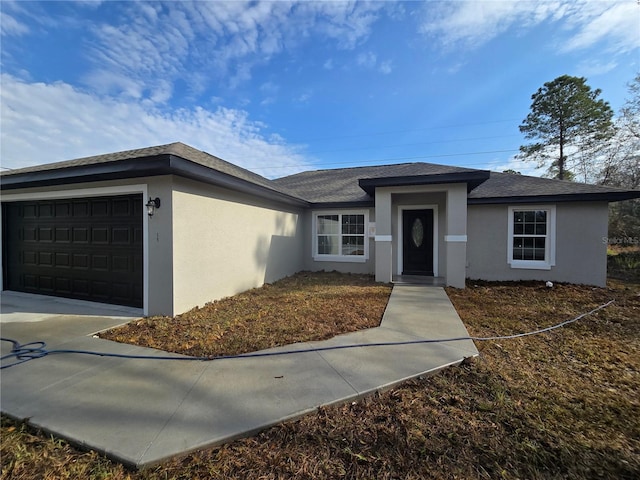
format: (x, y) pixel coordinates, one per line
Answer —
(280, 87)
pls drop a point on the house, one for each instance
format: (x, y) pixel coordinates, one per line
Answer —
(170, 227)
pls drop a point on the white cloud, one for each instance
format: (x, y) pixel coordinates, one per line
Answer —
(592, 67)
(304, 97)
(366, 60)
(269, 88)
(369, 60)
(581, 24)
(617, 24)
(385, 67)
(43, 123)
(10, 26)
(225, 39)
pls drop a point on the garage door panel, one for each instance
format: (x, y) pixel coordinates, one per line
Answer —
(89, 249)
(45, 283)
(29, 234)
(63, 260)
(30, 281)
(80, 209)
(30, 258)
(63, 286)
(100, 208)
(100, 263)
(63, 235)
(45, 210)
(81, 287)
(63, 209)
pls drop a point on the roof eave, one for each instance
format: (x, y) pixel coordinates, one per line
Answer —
(347, 204)
(472, 179)
(165, 164)
(116, 170)
(569, 197)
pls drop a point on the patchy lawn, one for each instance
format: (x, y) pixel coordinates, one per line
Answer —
(561, 405)
(301, 308)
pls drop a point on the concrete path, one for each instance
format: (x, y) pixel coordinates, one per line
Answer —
(141, 412)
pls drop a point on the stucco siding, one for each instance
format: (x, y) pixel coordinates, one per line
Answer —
(225, 242)
(160, 247)
(581, 253)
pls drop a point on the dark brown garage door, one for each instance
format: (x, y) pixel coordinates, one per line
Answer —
(84, 248)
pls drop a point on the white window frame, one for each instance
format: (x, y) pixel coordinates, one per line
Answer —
(550, 243)
(339, 258)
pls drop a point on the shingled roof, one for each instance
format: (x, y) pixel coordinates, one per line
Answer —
(343, 186)
(507, 188)
(158, 160)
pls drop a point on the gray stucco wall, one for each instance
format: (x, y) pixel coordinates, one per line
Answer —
(581, 252)
(160, 247)
(225, 242)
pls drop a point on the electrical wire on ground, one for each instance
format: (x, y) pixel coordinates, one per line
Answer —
(33, 350)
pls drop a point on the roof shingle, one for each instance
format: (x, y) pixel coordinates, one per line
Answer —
(341, 185)
(333, 186)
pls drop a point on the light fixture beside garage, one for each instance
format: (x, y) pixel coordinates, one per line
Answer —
(151, 205)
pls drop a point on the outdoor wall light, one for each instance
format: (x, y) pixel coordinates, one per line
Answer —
(151, 205)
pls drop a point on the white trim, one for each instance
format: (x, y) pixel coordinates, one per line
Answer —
(401, 208)
(550, 245)
(455, 238)
(98, 192)
(384, 238)
(79, 193)
(338, 258)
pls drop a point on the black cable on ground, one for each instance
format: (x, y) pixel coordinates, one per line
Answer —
(33, 350)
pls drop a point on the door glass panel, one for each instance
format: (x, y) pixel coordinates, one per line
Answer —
(417, 232)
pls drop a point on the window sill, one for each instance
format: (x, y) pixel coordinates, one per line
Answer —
(530, 265)
(340, 258)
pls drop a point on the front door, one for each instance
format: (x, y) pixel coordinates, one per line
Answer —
(417, 242)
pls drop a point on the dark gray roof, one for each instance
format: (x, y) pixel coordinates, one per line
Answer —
(332, 187)
(506, 187)
(342, 185)
(178, 149)
(158, 160)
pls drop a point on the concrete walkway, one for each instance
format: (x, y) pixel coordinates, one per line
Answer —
(141, 412)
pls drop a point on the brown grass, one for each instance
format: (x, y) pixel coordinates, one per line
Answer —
(301, 308)
(561, 405)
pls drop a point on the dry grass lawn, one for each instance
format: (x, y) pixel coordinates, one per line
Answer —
(301, 308)
(561, 405)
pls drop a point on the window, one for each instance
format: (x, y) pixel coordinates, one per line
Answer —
(340, 236)
(531, 237)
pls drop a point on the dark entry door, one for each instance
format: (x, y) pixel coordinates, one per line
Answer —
(417, 237)
(84, 248)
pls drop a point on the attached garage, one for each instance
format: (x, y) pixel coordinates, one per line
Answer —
(81, 248)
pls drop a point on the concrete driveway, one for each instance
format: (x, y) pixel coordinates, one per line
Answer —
(141, 412)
